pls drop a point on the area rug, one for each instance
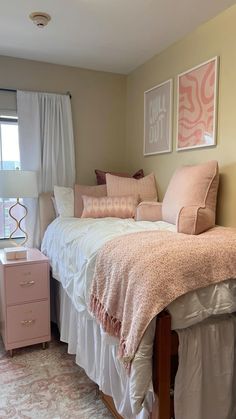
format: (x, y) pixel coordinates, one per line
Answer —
(47, 384)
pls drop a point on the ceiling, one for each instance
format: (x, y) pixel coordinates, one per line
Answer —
(109, 35)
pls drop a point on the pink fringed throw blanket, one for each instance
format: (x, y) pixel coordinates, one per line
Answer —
(139, 274)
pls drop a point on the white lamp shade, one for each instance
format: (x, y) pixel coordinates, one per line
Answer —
(18, 184)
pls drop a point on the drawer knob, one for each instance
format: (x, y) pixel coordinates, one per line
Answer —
(27, 322)
(26, 283)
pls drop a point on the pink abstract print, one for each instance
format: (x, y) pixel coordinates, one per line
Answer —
(196, 117)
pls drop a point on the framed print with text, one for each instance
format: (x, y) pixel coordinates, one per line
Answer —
(158, 119)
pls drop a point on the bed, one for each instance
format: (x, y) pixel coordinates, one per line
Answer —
(195, 334)
(220, 301)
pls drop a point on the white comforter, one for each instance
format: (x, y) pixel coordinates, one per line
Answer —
(72, 245)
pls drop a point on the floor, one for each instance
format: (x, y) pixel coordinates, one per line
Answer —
(47, 384)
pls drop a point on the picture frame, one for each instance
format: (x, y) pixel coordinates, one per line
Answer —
(158, 110)
(197, 91)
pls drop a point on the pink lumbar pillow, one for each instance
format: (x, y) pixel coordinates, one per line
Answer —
(101, 175)
(144, 189)
(80, 190)
(116, 206)
(190, 199)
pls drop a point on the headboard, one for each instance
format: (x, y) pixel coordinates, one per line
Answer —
(46, 211)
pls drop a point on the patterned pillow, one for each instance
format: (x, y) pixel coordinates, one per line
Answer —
(144, 189)
(116, 206)
(101, 175)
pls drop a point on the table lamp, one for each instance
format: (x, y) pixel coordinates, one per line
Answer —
(18, 184)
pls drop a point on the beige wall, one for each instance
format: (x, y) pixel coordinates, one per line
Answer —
(104, 105)
(217, 37)
(98, 106)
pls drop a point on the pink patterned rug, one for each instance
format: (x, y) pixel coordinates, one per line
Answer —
(46, 384)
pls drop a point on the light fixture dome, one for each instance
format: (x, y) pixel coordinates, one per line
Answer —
(40, 19)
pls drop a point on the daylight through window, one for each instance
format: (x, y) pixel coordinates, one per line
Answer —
(9, 160)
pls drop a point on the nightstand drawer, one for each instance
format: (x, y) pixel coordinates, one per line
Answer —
(27, 321)
(26, 283)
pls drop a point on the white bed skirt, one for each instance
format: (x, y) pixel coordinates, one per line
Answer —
(96, 353)
(205, 384)
(206, 379)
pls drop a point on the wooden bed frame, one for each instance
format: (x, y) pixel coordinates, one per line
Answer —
(165, 364)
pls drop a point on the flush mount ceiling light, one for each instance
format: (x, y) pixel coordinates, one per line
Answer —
(40, 19)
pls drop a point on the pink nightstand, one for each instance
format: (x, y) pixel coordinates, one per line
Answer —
(24, 300)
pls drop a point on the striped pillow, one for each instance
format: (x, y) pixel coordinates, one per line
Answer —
(120, 207)
(144, 188)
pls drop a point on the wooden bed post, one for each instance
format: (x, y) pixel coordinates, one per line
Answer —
(162, 367)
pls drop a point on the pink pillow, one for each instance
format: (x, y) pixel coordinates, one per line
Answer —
(80, 190)
(101, 175)
(148, 211)
(195, 220)
(190, 199)
(120, 207)
(144, 189)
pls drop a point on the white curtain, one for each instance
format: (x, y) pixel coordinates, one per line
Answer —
(46, 146)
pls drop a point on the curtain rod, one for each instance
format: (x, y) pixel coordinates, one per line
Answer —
(14, 90)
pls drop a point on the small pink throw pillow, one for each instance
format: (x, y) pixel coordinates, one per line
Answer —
(148, 211)
(116, 206)
(144, 189)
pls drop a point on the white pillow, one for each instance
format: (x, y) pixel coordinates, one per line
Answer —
(64, 201)
(144, 188)
(55, 206)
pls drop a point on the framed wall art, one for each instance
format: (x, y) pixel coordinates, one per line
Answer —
(197, 106)
(158, 119)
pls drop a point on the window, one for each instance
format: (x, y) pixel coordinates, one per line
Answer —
(9, 160)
